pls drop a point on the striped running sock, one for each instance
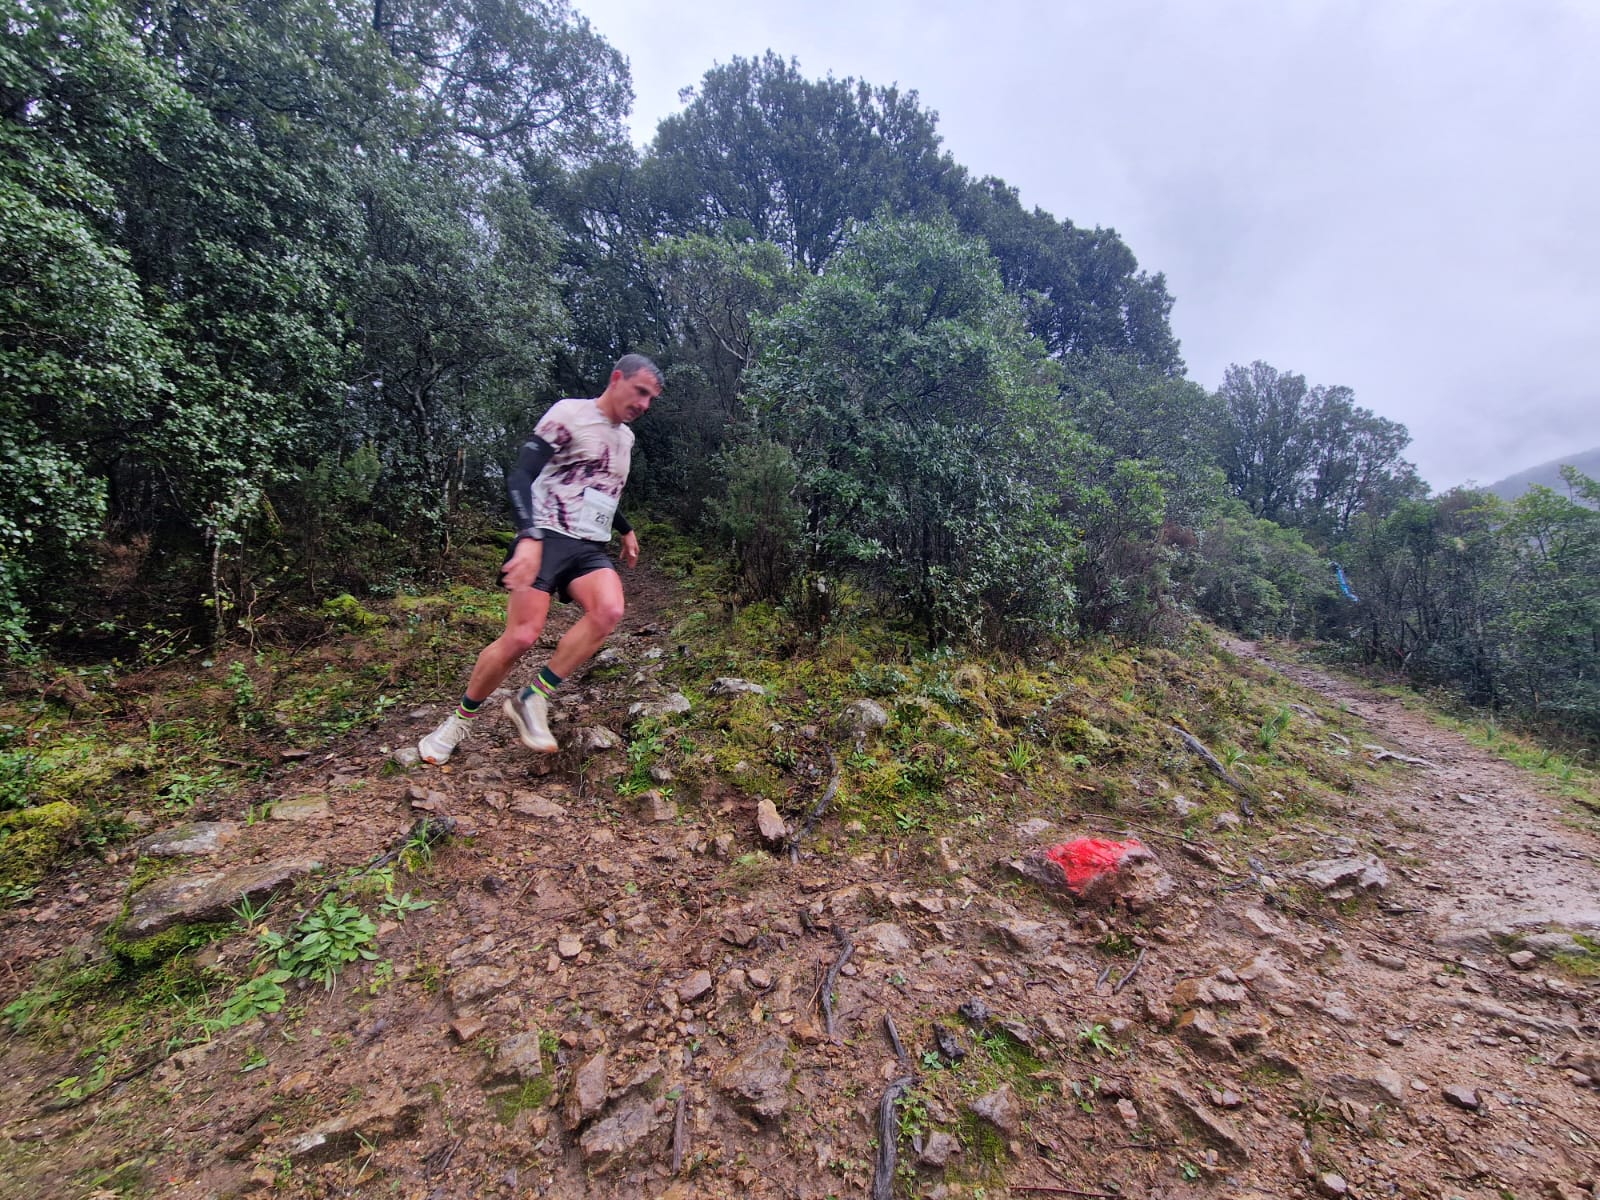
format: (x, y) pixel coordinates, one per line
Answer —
(468, 708)
(545, 683)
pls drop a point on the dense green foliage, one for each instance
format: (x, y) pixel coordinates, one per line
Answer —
(286, 281)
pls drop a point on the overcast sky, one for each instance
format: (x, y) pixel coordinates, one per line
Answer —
(1402, 196)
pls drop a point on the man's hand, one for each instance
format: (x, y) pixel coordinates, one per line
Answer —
(523, 567)
(630, 549)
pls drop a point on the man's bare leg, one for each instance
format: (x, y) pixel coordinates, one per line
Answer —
(526, 611)
(600, 595)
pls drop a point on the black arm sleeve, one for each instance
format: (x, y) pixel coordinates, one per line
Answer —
(620, 524)
(531, 459)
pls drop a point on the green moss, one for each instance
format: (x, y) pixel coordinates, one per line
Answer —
(982, 1145)
(143, 954)
(347, 612)
(529, 1097)
(34, 840)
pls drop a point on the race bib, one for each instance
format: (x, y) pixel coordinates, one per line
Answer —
(595, 510)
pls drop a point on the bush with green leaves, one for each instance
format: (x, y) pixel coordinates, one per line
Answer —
(920, 417)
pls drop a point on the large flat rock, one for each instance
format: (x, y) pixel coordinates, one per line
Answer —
(193, 899)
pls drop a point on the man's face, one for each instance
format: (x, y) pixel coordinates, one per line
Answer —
(634, 392)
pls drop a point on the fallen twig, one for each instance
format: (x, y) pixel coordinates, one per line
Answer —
(817, 811)
(894, 1036)
(1059, 1191)
(680, 1134)
(1222, 772)
(1132, 971)
(832, 975)
(888, 1140)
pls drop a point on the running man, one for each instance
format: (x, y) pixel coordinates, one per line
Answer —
(564, 490)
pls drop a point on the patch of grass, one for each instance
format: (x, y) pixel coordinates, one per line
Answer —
(531, 1096)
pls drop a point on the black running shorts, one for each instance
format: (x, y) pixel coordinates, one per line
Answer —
(565, 559)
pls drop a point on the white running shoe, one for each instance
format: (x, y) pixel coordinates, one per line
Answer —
(439, 745)
(531, 716)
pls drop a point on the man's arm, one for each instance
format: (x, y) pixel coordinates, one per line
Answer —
(522, 568)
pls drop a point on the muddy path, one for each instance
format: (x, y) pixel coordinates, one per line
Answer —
(619, 993)
(1503, 854)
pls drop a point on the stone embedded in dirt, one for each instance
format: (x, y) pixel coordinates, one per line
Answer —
(758, 1080)
(1264, 979)
(1364, 872)
(301, 809)
(949, 1044)
(519, 1057)
(1000, 1109)
(862, 717)
(609, 1143)
(588, 1092)
(1523, 960)
(194, 899)
(1395, 1037)
(1200, 1029)
(194, 837)
(759, 978)
(1461, 1096)
(1211, 992)
(569, 945)
(478, 983)
(1183, 807)
(1389, 962)
(387, 1120)
(937, 1149)
(729, 686)
(595, 739)
(1381, 1087)
(886, 937)
(1033, 829)
(1029, 937)
(656, 807)
(1129, 1115)
(692, 988)
(675, 704)
(1224, 822)
(1218, 1130)
(769, 824)
(530, 804)
(406, 757)
(740, 935)
(1332, 1184)
(1138, 881)
(1302, 1160)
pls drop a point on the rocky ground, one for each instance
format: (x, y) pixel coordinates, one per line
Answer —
(651, 997)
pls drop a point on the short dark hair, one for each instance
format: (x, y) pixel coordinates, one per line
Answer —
(631, 364)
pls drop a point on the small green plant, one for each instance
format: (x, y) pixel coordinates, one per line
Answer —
(1188, 1170)
(1274, 726)
(1097, 1038)
(400, 907)
(248, 914)
(1020, 757)
(263, 994)
(331, 936)
(254, 1060)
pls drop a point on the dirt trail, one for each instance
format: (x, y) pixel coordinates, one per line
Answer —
(621, 996)
(1501, 853)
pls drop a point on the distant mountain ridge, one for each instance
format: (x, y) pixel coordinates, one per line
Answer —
(1547, 474)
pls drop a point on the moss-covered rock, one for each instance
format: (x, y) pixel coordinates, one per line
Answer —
(33, 840)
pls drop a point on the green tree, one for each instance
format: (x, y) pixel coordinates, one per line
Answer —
(791, 160)
(918, 413)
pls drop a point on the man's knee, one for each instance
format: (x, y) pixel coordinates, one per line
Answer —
(607, 613)
(518, 639)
